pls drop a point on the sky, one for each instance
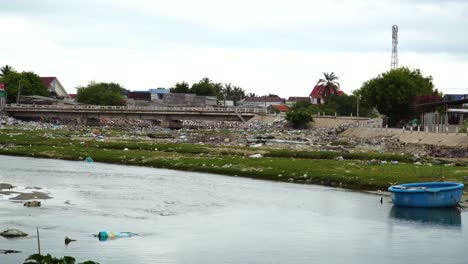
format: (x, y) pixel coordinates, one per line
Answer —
(264, 46)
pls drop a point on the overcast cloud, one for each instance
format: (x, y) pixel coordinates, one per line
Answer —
(264, 46)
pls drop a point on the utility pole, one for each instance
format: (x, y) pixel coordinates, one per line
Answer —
(394, 63)
(357, 114)
(19, 89)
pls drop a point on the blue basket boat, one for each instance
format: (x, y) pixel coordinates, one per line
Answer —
(427, 194)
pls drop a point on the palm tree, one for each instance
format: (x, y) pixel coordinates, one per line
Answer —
(6, 70)
(330, 84)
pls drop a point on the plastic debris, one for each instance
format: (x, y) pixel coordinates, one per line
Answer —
(105, 235)
(68, 240)
(13, 233)
(32, 204)
(89, 159)
(256, 156)
(9, 251)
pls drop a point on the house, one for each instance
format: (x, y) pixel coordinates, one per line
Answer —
(277, 109)
(158, 93)
(317, 94)
(294, 99)
(54, 87)
(263, 101)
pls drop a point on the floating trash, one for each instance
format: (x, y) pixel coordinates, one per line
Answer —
(89, 159)
(104, 235)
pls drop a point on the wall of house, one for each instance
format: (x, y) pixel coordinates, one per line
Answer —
(57, 87)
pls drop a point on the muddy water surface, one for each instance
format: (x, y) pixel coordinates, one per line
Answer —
(184, 217)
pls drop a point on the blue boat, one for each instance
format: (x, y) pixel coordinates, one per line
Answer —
(427, 194)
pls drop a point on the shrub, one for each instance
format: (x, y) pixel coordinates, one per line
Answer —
(299, 118)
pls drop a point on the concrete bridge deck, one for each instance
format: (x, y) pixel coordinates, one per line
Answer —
(169, 116)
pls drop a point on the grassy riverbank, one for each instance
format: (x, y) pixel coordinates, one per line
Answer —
(347, 170)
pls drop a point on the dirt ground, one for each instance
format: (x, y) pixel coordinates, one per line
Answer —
(438, 139)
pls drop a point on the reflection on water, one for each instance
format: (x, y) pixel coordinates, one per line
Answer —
(437, 216)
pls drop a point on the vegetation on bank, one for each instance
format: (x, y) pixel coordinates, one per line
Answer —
(394, 93)
(22, 83)
(98, 93)
(359, 171)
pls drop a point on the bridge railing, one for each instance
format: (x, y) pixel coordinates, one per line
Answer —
(140, 108)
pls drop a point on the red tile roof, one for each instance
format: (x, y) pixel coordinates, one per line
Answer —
(281, 108)
(47, 80)
(318, 90)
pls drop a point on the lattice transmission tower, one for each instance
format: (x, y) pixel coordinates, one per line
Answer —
(394, 63)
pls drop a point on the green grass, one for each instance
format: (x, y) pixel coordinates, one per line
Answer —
(279, 165)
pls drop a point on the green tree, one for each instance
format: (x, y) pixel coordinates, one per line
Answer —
(330, 84)
(181, 87)
(28, 83)
(203, 87)
(393, 93)
(233, 93)
(101, 94)
(6, 70)
(299, 118)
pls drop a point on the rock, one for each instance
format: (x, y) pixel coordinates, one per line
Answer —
(256, 156)
(417, 163)
(339, 158)
(256, 145)
(6, 186)
(125, 149)
(227, 140)
(13, 233)
(32, 204)
(394, 162)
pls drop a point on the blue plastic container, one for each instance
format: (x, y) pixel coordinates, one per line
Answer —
(427, 194)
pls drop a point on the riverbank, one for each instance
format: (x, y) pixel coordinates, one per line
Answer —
(336, 166)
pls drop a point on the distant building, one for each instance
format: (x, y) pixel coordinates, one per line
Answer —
(188, 100)
(139, 96)
(158, 93)
(317, 94)
(294, 99)
(449, 97)
(277, 109)
(263, 101)
(54, 87)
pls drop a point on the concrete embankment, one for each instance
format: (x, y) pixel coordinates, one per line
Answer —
(438, 139)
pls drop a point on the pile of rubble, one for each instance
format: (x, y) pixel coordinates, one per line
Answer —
(211, 124)
(127, 123)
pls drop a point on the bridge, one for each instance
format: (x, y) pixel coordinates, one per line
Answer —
(169, 116)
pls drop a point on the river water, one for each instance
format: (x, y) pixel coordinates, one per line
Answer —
(185, 217)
